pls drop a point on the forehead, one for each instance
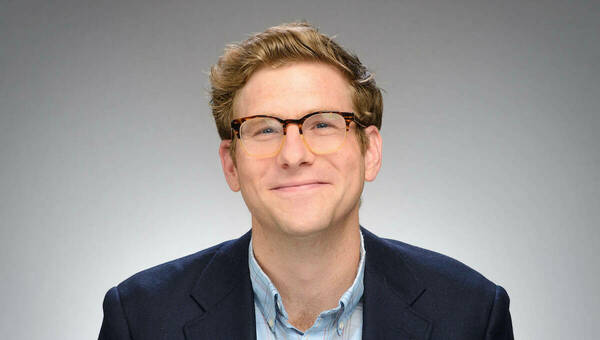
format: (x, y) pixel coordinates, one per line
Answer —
(293, 90)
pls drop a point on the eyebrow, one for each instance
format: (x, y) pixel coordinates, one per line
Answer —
(298, 115)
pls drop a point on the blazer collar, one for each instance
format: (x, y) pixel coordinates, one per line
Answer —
(391, 289)
(224, 292)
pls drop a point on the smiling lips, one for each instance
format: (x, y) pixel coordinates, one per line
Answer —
(299, 186)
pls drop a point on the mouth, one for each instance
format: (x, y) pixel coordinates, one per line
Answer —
(299, 187)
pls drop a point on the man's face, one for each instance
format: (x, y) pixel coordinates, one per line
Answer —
(298, 192)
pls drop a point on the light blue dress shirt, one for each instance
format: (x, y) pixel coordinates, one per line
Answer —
(342, 322)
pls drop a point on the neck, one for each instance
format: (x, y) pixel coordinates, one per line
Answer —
(311, 272)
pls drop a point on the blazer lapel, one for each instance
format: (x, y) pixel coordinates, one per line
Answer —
(224, 292)
(390, 291)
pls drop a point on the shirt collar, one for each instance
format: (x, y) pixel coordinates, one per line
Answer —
(269, 303)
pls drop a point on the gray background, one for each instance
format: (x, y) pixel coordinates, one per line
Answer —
(109, 154)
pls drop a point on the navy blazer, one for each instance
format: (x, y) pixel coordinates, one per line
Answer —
(410, 293)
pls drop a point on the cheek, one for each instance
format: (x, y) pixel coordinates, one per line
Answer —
(353, 159)
(351, 169)
(247, 182)
(251, 174)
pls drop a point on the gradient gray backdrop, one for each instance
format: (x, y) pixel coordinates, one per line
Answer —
(109, 153)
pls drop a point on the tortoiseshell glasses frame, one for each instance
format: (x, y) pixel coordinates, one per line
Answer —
(349, 117)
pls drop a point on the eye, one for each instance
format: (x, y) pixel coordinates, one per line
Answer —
(265, 131)
(321, 125)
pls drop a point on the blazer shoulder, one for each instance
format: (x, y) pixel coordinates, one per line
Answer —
(441, 271)
(157, 302)
(177, 275)
(457, 300)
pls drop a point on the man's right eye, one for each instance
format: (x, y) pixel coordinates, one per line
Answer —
(264, 131)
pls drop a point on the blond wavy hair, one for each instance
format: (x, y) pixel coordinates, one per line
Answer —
(283, 44)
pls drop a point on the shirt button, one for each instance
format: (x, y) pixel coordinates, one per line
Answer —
(341, 326)
(271, 323)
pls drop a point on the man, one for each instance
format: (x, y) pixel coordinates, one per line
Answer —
(299, 120)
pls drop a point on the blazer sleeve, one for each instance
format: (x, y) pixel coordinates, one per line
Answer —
(114, 324)
(499, 322)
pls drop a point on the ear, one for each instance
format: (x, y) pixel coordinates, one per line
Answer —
(372, 154)
(228, 164)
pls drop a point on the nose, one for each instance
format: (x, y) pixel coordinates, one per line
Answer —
(294, 152)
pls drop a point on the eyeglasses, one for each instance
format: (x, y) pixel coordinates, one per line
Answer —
(323, 132)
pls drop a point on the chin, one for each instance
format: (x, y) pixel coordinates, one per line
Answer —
(302, 226)
(309, 218)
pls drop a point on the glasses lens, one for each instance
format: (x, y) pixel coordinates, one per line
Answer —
(261, 136)
(324, 132)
